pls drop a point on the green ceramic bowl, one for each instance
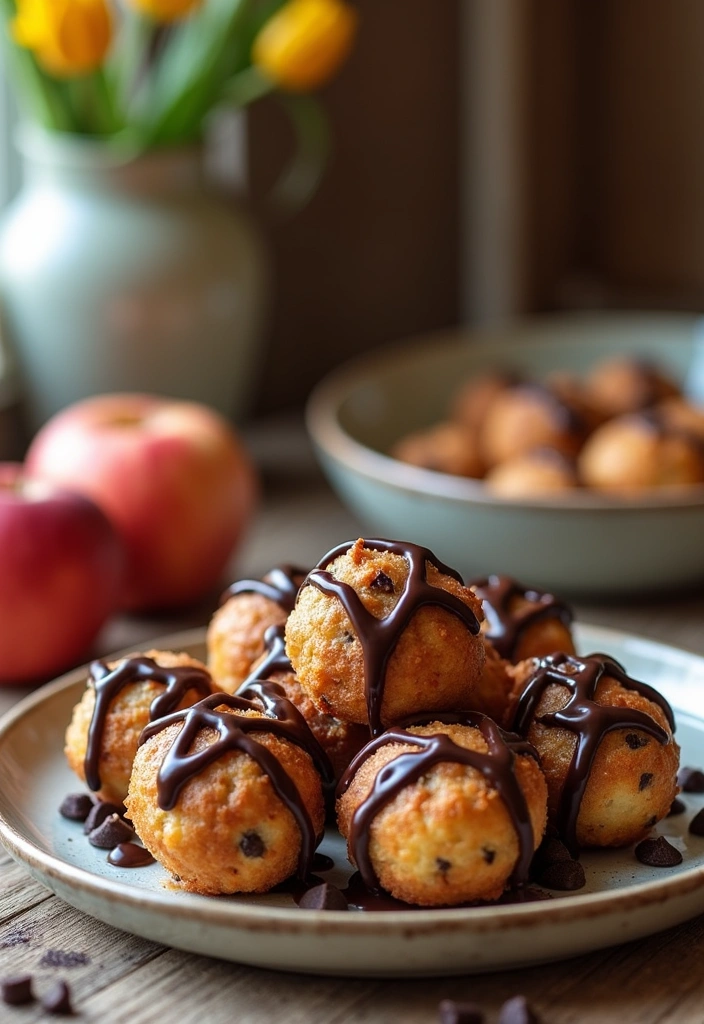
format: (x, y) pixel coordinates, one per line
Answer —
(579, 544)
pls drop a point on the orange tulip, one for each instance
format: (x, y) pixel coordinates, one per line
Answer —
(305, 42)
(165, 10)
(69, 38)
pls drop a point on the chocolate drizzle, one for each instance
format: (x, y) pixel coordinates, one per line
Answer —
(178, 681)
(506, 627)
(279, 585)
(275, 660)
(281, 718)
(497, 767)
(586, 718)
(379, 637)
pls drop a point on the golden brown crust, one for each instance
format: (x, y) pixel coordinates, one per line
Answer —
(629, 454)
(435, 666)
(236, 637)
(448, 838)
(127, 716)
(446, 448)
(202, 841)
(521, 419)
(533, 474)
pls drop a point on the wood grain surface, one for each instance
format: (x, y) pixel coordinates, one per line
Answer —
(116, 977)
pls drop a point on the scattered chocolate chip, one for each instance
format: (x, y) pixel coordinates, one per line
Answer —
(564, 875)
(17, 991)
(691, 780)
(635, 742)
(76, 806)
(488, 854)
(111, 833)
(696, 825)
(518, 1011)
(658, 853)
(551, 851)
(676, 807)
(383, 582)
(58, 999)
(443, 865)
(551, 832)
(252, 845)
(323, 897)
(64, 958)
(644, 781)
(99, 812)
(450, 1012)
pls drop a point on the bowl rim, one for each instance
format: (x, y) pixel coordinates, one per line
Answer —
(329, 436)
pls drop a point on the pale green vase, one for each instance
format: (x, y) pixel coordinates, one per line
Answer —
(128, 275)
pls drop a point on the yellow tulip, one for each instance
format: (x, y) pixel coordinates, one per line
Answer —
(165, 10)
(68, 37)
(305, 42)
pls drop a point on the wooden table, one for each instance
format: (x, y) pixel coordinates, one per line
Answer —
(128, 979)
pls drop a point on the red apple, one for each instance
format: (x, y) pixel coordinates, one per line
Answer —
(172, 477)
(61, 570)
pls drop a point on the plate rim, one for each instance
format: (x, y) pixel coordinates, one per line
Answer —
(227, 912)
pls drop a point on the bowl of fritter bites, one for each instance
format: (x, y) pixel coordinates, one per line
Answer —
(568, 451)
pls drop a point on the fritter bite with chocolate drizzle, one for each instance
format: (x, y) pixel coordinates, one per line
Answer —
(445, 812)
(521, 622)
(119, 700)
(382, 630)
(227, 795)
(606, 746)
(247, 609)
(340, 740)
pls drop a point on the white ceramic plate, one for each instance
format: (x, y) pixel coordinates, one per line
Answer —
(623, 899)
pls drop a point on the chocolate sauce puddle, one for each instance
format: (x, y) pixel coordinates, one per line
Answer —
(282, 719)
(280, 585)
(379, 637)
(130, 855)
(506, 627)
(108, 683)
(589, 721)
(497, 767)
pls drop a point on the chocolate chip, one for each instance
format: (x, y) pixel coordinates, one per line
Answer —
(111, 833)
(488, 854)
(658, 853)
(17, 991)
(64, 958)
(58, 999)
(696, 825)
(450, 1012)
(644, 781)
(691, 780)
(518, 1011)
(323, 897)
(76, 806)
(443, 865)
(635, 742)
(99, 812)
(252, 845)
(676, 807)
(551, 851)
(383, 582)
(564, 875)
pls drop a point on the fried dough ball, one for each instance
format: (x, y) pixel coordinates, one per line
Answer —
(535, 474)
(127, 715)
(435, 664)
(680, 415)
(448, 837)
(526, 417)
(340, 740)
(572, 390)
(633, 778)
(635, 453)
(523, 623)
(624, 385)
(446, 448)
(471, 403)
(494, 693)
(228, 831)
(235, 636)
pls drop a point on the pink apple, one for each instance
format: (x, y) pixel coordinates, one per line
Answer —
(173, 478)
(61, 570)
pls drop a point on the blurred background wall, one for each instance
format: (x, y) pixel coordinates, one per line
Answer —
(491, 157)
